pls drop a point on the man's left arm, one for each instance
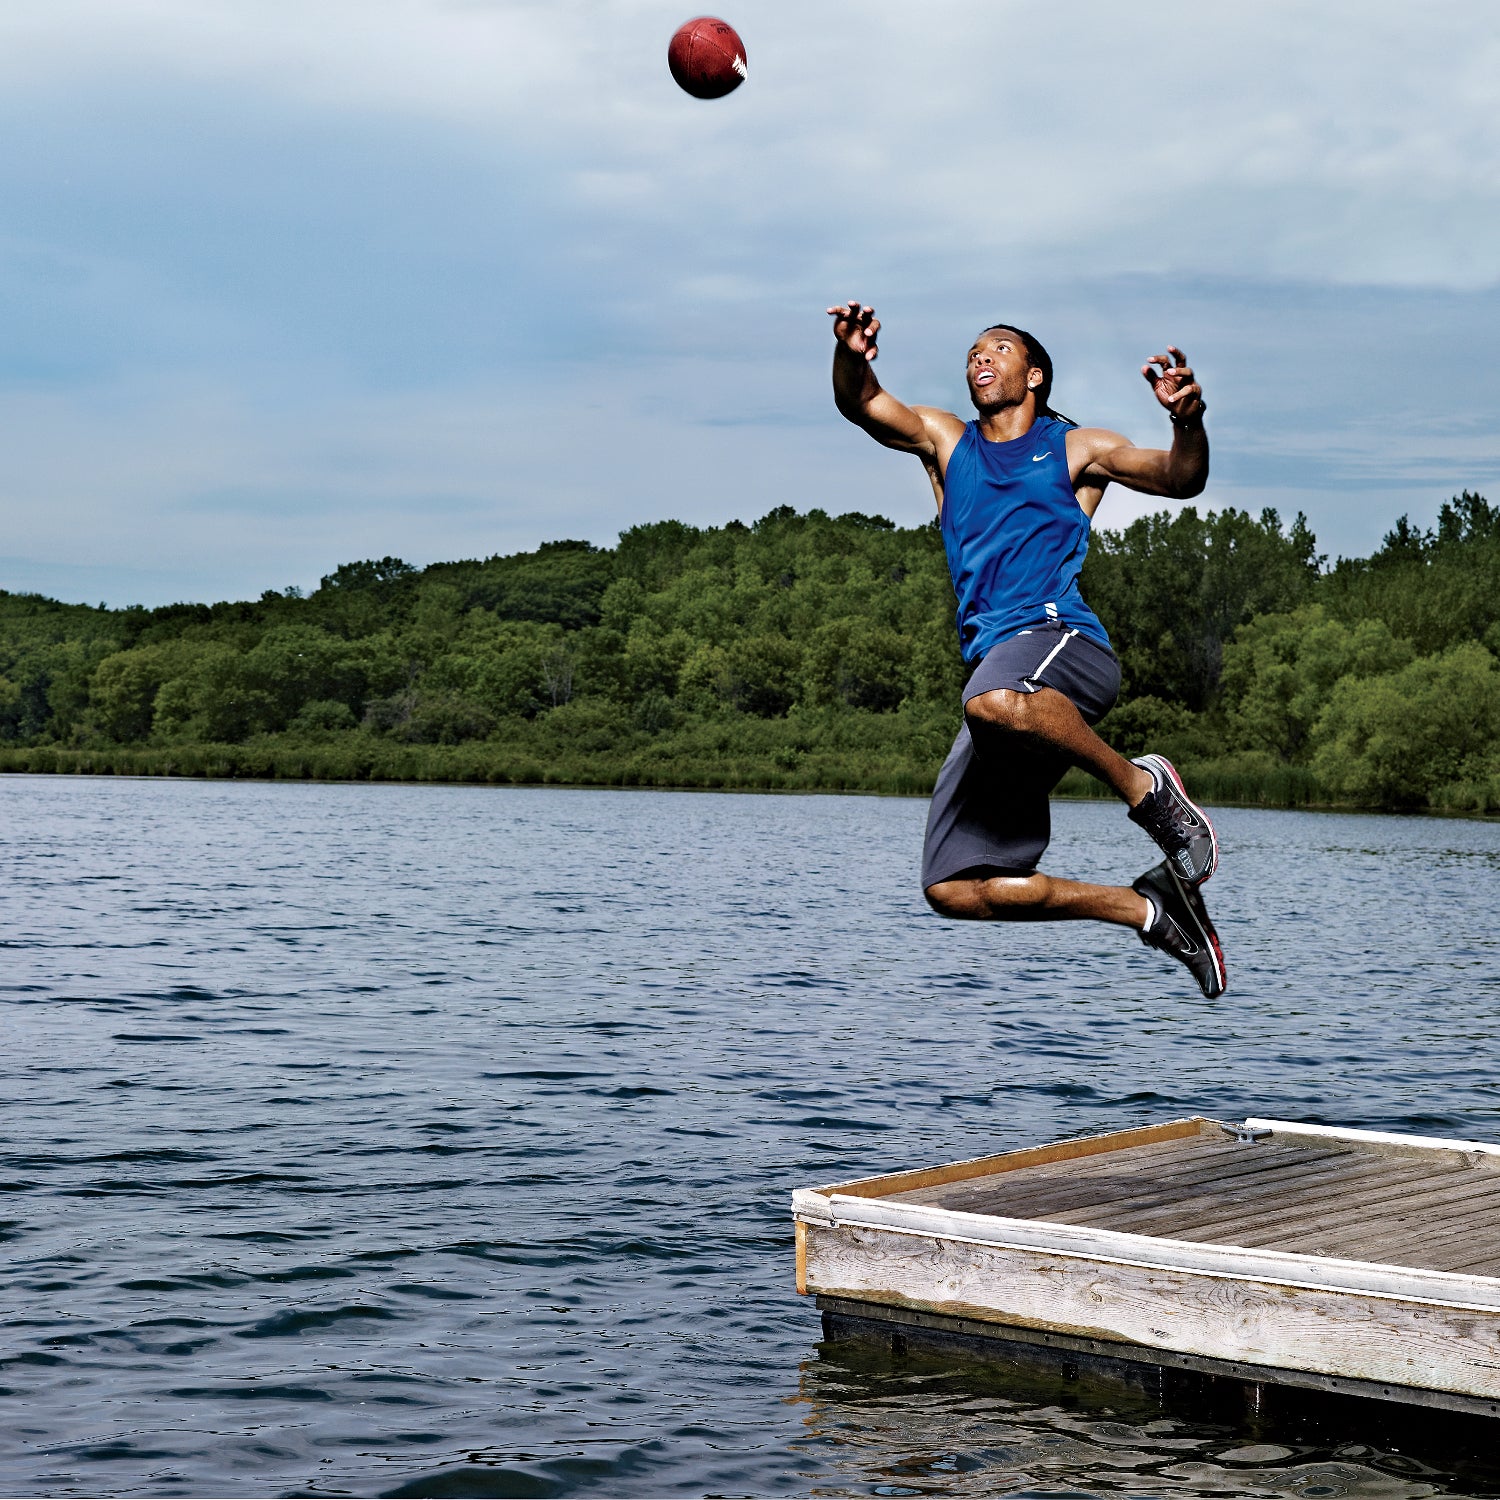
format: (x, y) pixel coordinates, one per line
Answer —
(1179, 472)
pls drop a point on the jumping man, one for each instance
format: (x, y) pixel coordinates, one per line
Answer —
(1016, 490)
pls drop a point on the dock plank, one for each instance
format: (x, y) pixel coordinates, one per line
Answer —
(1030, 1194)
(1078, 1149)
(1486, 1267)
(1437, 1237)
(1168, 1157)
(1290, 1204)
(1266, 1177)
(1405, 1204)
(1447, 1246)
(1324, 1198)
(1282, 1183)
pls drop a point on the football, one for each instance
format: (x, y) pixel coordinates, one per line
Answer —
(707, 58)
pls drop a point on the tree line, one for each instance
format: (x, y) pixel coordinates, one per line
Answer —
(803, 650)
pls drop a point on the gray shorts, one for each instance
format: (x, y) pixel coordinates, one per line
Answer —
(990, 810)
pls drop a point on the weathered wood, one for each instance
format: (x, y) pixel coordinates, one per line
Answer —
(1186, 1158)
(1460, 1247)
(1378, 1338)
(1045, 1193)
(1275, 1184)
(1353, 1197)
(1315, 1206)
(1436, 1206)
(1379, 1142)
(1430, 1211)
(1011, 1161)
(799, 1229)
(1487, 1265)
(1343, 1253)
(1263, 1264)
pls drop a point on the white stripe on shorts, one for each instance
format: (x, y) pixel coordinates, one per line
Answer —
(1051, 656)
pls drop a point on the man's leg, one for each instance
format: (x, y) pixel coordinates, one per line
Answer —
(1165, 913)
(1036, 898)
(1048, 719)
(988, 826)
(1151, 787)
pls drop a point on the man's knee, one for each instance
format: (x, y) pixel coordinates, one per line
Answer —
(1002, 708)
(999, 898)
(958, 899)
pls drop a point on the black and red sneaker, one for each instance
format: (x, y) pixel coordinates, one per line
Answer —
(1178, 825)
(1179, 925)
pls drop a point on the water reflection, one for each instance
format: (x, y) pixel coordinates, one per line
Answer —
(920, 1422)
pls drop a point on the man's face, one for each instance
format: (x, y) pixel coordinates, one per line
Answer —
(1000, 372)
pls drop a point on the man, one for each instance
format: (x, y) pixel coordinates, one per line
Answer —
(1016, 489)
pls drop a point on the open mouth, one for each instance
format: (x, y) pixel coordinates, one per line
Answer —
(985, 377)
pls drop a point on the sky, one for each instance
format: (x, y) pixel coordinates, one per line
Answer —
(283, 286)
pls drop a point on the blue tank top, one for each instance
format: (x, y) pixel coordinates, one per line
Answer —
(1015, 536)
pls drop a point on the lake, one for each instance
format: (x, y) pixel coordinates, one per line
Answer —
(390, 1140)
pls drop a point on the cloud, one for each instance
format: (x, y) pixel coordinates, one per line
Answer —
(1119, 139)
(285, 285)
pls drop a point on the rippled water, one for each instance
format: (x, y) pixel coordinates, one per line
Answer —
(391, 1140)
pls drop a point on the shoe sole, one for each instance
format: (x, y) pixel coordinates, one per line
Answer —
(1206, 933)
(1171, 770)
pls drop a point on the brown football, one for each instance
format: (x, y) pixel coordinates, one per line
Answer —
(707, 57)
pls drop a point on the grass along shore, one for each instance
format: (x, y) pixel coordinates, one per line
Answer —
(743, 763)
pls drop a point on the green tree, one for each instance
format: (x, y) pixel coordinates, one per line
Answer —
(1172, 589)
(218, 698)
(1280, 669)
(1395, 739)
(123, 692)
(860, 665)
(1433, 588)
(761, 674)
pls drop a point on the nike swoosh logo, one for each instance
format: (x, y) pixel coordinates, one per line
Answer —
(1189, 946)
(1037, 458)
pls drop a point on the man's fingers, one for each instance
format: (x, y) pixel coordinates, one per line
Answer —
(1177, 354)
(851, 318)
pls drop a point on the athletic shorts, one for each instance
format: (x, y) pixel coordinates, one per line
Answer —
(990, 811)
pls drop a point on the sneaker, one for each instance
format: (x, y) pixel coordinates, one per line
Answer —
(1178, 825)
(1180, 926)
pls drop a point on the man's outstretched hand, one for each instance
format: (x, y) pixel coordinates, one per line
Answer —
(1174, 384)
(855, 326)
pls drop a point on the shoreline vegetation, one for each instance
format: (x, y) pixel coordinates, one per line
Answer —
(804, 652)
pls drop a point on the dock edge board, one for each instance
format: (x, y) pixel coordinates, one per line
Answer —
(1026, 1156)
(876, 1322)
(1324, 1331)
(1147, 1252)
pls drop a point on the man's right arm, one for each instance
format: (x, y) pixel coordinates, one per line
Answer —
(860, 397)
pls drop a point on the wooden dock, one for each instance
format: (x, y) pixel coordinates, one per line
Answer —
(1348, 1260)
